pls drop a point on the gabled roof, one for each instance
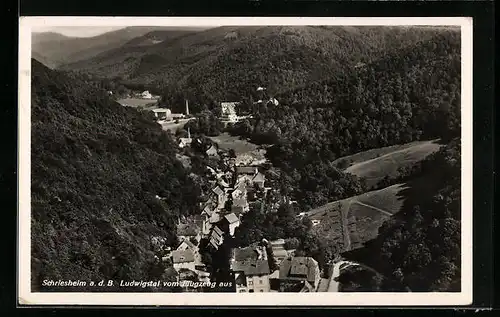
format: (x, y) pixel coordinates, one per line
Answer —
(298, 268)
(231, 218)
(250, 260)
(216, 236)
(190, 245)
(259, 177)
(183, 256)
(208, 209)
(217, 190)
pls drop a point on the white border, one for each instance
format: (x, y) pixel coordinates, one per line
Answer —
(232, 299)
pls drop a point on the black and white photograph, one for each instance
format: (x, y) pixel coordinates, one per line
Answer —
(239, 156)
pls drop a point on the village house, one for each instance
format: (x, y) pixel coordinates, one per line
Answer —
(298, 270)
(251, 269)
(183, 259)
(232, 222)
(211, 151)
(188, 245)
(219, 196)
(259, 180)
(162, 113)
(210, 216)
(146, 95)
(216, 237)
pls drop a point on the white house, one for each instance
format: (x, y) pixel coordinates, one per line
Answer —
(162, 113)
(233, 222)
(183, 259)
(251, 269)
(146, 95)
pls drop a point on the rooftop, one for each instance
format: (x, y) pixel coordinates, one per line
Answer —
(160, 110)
(231, 218)
(246, 169)
(259, 177)
(218, 191)
(182, 256)
(298, 268)
(250, 260)
(189, 243)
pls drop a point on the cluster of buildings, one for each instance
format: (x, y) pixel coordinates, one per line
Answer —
(166, 114)
(254, 273)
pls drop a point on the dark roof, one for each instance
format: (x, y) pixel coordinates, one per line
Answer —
(254, 267)
(298, 268)
(231, 218)
(248, 253)
(182, 256)
(247, 260)
(217, 190)
(246, 169)
(216, 236)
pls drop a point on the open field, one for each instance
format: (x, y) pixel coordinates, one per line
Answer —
(246, 152)
(375, 169)
(358, 218)
(226, 142)
(172, 126)
(136, 102)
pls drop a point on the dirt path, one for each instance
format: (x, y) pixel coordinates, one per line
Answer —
(333, 285)
(374, 208)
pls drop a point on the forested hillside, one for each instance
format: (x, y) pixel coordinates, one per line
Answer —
(229, 63)
(96, 169)
(411, 95)
(59, 49)
(420, 247)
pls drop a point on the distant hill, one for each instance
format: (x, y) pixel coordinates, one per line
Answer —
(96, 169)
(228, 63)
(59, 49)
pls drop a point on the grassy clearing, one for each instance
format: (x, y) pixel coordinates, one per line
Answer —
(375, 169)
(136, 102)
(226, 142)
(374, 153)
(357, 219)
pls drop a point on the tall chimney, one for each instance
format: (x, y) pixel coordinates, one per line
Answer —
(187, 108)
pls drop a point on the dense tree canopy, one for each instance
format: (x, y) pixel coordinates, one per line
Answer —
(96, 170)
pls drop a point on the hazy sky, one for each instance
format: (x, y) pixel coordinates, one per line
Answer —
(79, 31)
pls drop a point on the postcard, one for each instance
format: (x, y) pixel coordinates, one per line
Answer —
(256, 161)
